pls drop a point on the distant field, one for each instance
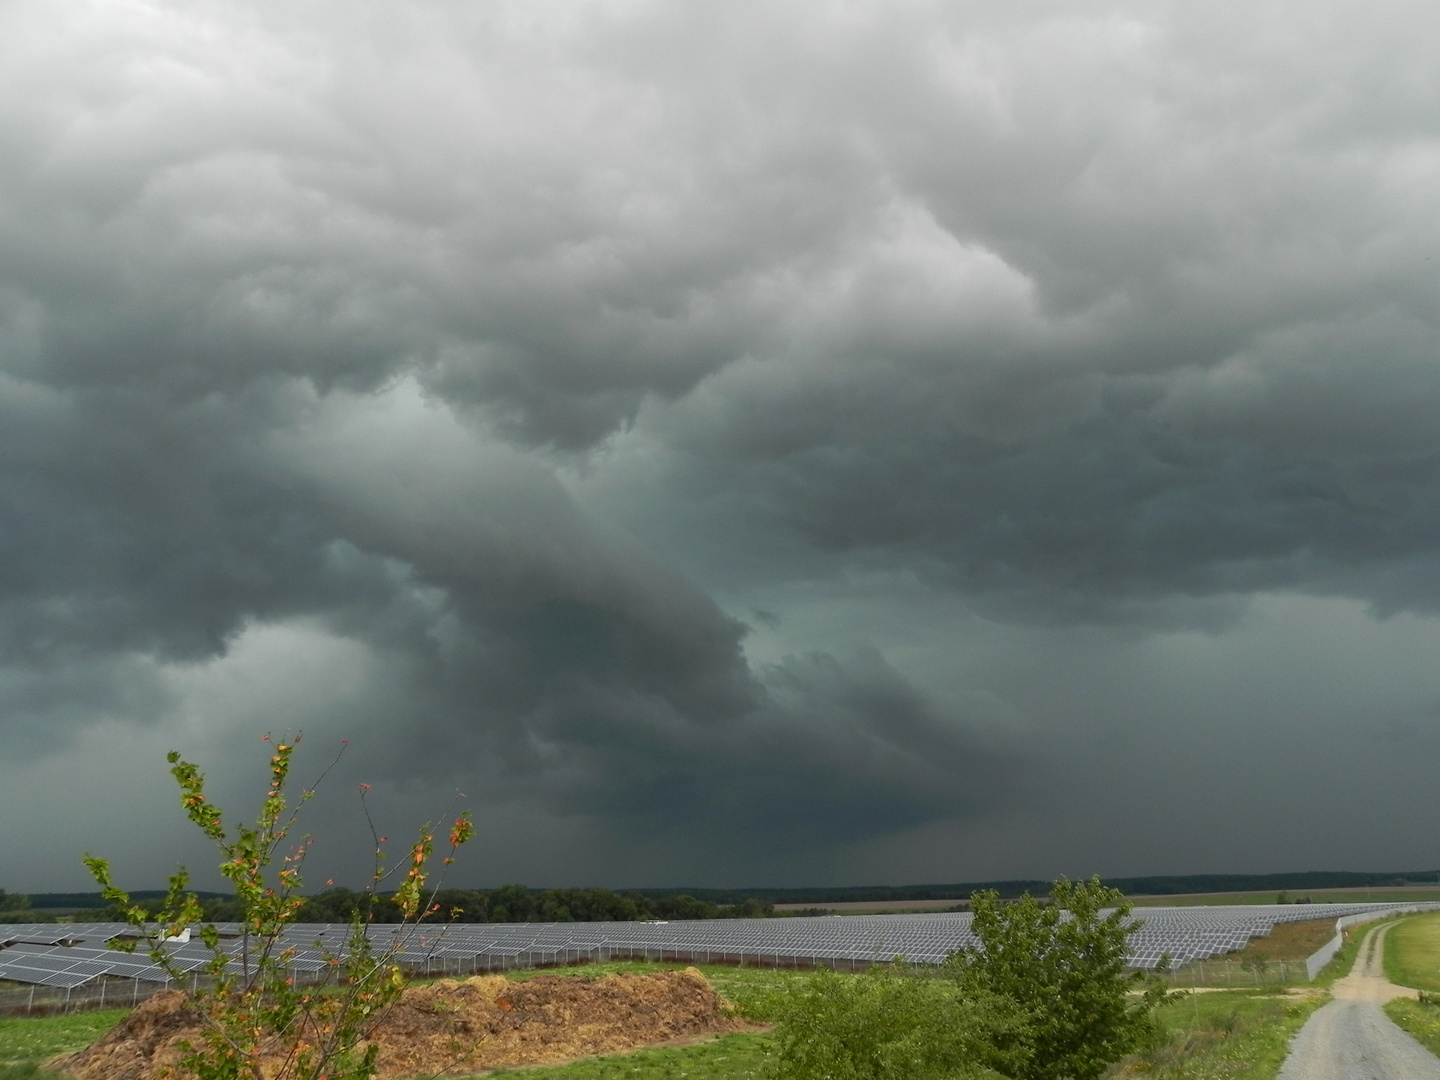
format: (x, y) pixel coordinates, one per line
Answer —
(874, 907)
(1384, 893)
(1379, 894)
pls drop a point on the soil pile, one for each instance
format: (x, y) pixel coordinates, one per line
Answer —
(459, 1027)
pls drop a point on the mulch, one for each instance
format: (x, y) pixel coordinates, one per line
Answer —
(457, 1027)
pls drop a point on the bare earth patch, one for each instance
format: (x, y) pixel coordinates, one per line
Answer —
(460, 1027)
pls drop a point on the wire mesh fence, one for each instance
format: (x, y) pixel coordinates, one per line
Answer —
(101, 994)
(1237, 973)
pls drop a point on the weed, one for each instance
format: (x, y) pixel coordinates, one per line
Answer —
(1420, 1018)
(1231, 1035)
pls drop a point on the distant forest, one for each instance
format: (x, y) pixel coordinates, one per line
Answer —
(1131, 886)
(518, 903)
(507, 904)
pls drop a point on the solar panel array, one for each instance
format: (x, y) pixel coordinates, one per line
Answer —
(66, 956)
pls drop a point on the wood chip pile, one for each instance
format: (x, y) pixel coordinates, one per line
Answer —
(457, 1028)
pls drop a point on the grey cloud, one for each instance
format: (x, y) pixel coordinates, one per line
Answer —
(46, 703)
(536, 648)
(1111, 509)
(584, 670)
(477, 336)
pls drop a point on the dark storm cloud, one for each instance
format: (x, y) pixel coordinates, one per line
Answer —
(391, 322)
(597, 680)
(521, 643)
(1116, 514)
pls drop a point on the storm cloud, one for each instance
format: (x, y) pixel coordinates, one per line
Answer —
(730, 442)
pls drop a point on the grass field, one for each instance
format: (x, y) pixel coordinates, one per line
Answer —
(27, 1043)
(1229, 1035)
(1412, 952)
(730, 1057)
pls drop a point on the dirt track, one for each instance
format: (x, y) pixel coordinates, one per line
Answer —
(1351, 1038)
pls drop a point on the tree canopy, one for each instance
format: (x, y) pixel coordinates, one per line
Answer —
(1062, 965)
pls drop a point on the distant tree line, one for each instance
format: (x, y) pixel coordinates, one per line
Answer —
(520, 904)
(507, 904)
(15, 908)
(1171, 885)
(517, 904)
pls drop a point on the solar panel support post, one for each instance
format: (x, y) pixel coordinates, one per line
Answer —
(30, 1007)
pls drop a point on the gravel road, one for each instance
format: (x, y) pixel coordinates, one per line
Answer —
(1351, 1038)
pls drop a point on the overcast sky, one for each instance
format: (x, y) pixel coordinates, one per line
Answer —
(730, 443)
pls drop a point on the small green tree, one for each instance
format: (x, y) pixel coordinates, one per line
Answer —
(1062, 965)
(888, 1024)
(256, 1022)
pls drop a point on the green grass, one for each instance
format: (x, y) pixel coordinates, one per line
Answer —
(1419, 1019)
(26, 1043)
(1229, 1035)
(740, 1056)
(1412, 952)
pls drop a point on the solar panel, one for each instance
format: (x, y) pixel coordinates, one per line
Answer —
(41, 976)
(1185, 934)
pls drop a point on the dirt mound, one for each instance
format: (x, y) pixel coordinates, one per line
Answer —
(459, 1027)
